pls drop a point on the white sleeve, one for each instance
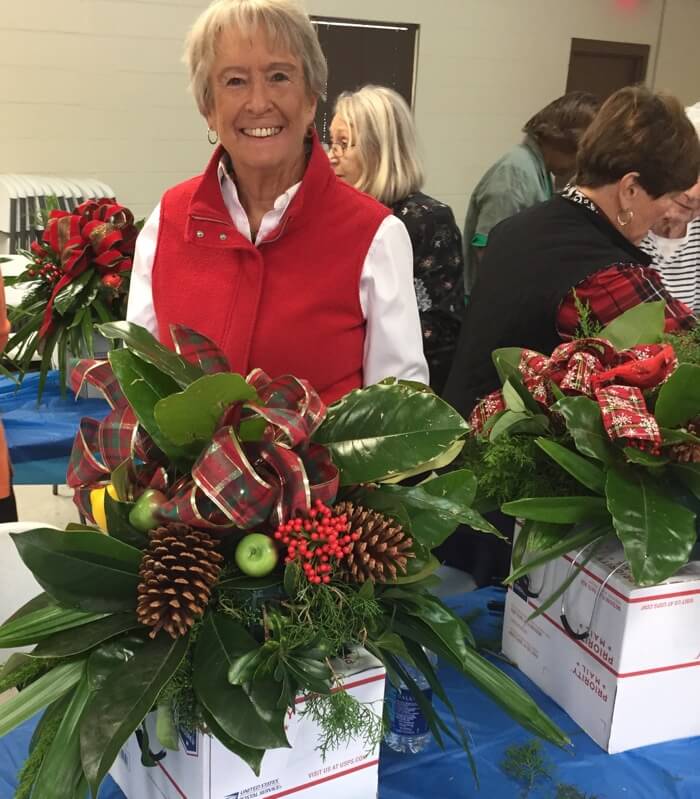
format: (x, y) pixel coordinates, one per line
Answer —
(139, 307)
(393, 338)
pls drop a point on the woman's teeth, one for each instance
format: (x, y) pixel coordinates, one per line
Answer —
(261, 133)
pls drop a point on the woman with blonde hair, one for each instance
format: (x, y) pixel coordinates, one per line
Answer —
(267, 253)
(374, 148)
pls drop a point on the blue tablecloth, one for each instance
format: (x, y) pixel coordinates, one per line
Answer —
(40, 437)
(666, 771)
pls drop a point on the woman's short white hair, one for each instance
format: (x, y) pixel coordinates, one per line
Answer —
(286, 23)
(381, 126)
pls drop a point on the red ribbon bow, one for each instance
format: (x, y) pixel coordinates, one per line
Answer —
(237, 483)
(593, 367)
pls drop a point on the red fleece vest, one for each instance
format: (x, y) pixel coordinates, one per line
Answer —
(289, 306)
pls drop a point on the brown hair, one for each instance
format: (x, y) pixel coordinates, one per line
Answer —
(637, 130)
(562, 123)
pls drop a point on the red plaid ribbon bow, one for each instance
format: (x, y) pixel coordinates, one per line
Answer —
(99, 234)
(594, 368)
(237, 483)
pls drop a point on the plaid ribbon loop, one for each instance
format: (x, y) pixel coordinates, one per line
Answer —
(234, 482)
(594, 368)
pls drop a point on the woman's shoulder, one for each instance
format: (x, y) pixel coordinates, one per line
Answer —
(422, 207)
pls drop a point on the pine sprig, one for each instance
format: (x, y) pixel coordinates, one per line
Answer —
(588, 324)
(342, 719)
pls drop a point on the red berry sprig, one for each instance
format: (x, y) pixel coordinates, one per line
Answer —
(316, 541)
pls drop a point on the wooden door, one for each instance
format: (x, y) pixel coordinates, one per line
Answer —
(603, 67)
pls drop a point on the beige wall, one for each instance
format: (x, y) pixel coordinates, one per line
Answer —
(95, 87)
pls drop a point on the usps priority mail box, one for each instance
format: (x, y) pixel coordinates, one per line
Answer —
(204, 769)
(630, 680)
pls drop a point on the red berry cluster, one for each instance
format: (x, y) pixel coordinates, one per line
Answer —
(317, 541)
(46, 270)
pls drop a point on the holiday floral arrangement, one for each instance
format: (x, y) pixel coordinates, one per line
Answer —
(77, 276)
(597, 441)
(252, 535)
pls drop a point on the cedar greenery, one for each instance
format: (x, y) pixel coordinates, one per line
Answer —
(342, 719)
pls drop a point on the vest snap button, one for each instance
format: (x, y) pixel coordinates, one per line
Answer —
(200, 234)
(223, 236)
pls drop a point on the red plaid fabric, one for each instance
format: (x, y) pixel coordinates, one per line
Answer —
(485, 409)
(612, 291)
(199, 350)
(626, 417)
(100, 375)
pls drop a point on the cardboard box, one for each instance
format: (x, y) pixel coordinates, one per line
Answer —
(633, 680)
(204, 769)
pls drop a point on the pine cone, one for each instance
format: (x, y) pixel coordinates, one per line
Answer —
(178, 570)
(381, 548)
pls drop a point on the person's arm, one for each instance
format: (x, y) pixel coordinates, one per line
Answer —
(508, 191)
(393, 341)
(139, 307)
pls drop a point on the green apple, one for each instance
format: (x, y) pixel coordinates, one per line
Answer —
(143, 515)
(256, 554)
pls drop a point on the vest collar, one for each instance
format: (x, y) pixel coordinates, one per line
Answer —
(207, 202)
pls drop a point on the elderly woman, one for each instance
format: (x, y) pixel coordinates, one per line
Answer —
(283, 265)
(374, 149)
(638, 154)
(674, 242)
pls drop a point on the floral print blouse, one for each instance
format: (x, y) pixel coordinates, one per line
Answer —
(438, 275)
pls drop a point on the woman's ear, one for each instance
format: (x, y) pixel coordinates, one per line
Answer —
(628, 189)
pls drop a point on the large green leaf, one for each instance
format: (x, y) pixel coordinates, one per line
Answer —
(656, 531)
(380, 431)
(584, 422)
(141, 342)
(61, 771)
(43, 623)
(512, 422)
(574, 541)
(507, 360)
(222, 640)
(689, 475)
(588, 473)
(42, 692)
(559, 510)
(89, 571)
(253, 757)
(69, 294)
(679, 397)
(118, 524)
(144, 385)
(82, 639)
(643, 324)
(122, 702)
(191, 416)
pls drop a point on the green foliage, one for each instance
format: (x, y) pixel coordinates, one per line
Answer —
(41, 743)
(642, 324)
(588, 325)
(511, 467)
(686, 345)
(25, 672)
(527, 765)
(342, 719)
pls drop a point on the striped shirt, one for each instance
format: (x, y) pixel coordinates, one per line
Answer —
(678, 261)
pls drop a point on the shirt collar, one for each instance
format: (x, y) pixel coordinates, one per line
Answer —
(224, 171)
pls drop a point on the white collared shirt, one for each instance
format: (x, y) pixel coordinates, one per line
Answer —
(393, 339)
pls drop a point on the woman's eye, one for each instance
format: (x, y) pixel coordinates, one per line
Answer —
(279, 77)
(234, 81)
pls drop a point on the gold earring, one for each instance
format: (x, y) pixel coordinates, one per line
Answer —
(209, 136)
(625, 216)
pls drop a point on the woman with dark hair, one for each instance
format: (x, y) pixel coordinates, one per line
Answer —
(523, 176)
(579, 247)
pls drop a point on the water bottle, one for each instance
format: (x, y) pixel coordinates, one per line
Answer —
(408, 728)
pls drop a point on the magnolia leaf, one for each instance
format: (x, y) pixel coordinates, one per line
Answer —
(122, 702)
(512, 398)
(78, 640)
(88, 571)
(559, 510)
(143, 385)
(432, 466)
(220, 641)
(192, 415)
(679, 397)
(642, 324)
(384, 430)
(41, 623)
(584, 422)
(587, 472)
(149, 349)
(656, 531)
(507, 362)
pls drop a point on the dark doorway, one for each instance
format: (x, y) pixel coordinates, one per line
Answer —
(360, 52)
(603, 67)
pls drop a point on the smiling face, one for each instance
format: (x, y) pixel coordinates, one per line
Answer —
(261, 107)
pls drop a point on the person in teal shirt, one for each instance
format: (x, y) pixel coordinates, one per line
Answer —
(523, 176)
